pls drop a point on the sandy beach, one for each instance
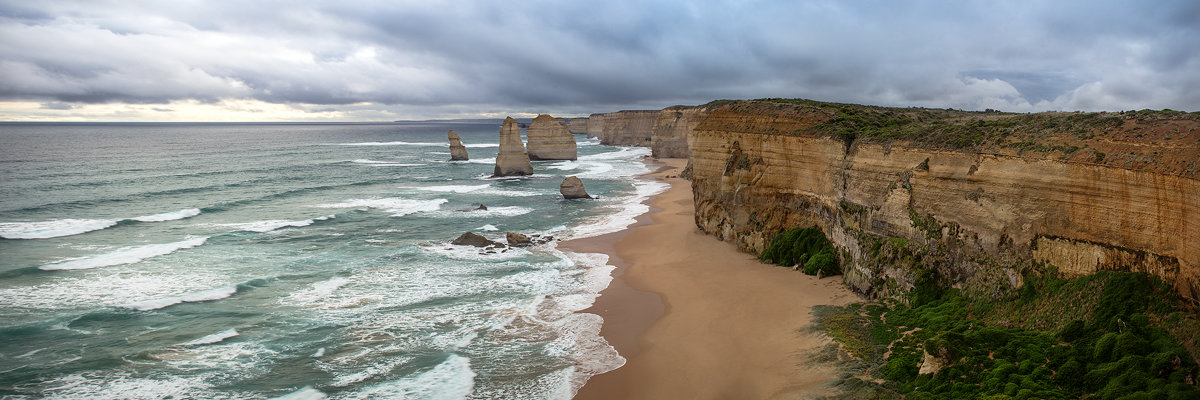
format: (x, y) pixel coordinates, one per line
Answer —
(697, 319)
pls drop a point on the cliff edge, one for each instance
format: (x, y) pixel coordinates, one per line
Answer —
(964, 199)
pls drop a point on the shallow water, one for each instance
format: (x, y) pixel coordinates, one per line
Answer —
(257, 261)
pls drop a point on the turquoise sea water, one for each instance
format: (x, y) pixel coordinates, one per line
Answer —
(258, 261)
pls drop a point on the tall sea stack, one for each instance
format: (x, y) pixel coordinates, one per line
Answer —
(550, 140)
(458, 152)
(512, 159)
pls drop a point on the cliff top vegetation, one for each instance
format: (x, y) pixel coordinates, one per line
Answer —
(1167, 141)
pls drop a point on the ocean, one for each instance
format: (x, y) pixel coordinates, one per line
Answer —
(253, 261)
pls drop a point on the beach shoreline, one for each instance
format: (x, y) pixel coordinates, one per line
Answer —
(696, 318)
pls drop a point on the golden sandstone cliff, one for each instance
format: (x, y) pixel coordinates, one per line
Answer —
(969, 199)
(549, 140)
(628, 128)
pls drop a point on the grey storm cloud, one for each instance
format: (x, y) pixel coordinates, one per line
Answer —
(600, 56)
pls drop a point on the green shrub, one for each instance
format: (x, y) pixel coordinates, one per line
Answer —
(821, 262)
(806, 247)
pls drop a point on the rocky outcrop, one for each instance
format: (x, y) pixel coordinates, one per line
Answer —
(595, 126)
(550, 140)
(972, 217)
(629, 128)
(458, 152)
(517, 240)
(572, 188)
(669, 136)
(512, 159)
(577, 126)
(472, 239)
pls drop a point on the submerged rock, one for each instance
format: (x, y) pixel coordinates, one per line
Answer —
(512, 159)
(458, 152)
(549, 139)
(480, 208)
(572, 188)
(517, 239)
(472, 239)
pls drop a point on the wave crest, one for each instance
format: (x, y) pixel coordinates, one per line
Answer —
(126, 255)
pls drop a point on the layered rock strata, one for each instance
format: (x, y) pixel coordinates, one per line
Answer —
(595, 126)
(669, 135)
(629, 127)
(458, 152)
(512, 159)
(550, 140)
(902, 211)
(577, 126)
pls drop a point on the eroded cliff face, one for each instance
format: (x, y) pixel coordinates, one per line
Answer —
(577, 126)
(595, 126)
(976, 218)
(669, 136)
(628, 128)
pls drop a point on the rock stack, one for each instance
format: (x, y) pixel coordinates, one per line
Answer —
(458, 152)
(572, 188)
(549, 139)
(512, 159)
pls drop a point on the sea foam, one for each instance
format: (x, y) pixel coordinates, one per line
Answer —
(204, 295)
(71, 226)
(213, 338)
(50, 229)
(397, 206)
(126, 255)
(268, 225)
(374, 163)
(169, 216)
(453, 379)
(304, 393)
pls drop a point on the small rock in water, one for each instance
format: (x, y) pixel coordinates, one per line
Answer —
(517, 239)
(572, 188)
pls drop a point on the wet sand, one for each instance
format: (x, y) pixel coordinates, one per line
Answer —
(696, 318)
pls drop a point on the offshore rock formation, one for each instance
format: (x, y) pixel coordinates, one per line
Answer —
(512, 159)
(472, 239)
(550, 140)
(969, 200)
(577, 126)
(458, 152)
(629, 127)
(595, 126)
(572, 188)
(517, 240)
(669, 136)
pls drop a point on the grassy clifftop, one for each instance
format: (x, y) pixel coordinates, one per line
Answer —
(1165, 141)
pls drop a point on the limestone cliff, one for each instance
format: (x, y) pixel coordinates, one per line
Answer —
(577, 126)
(669, 136)
(550, 140)
(968, 199)
(512, 159)
(458, 152)
(628, 128)
(595, 126)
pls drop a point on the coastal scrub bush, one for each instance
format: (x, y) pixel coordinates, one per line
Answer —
(1115, 351)
(805, 247)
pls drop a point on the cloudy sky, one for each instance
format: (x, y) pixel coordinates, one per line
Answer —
(347, 60)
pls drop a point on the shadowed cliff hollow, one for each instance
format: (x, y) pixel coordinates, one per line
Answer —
(965, 199)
